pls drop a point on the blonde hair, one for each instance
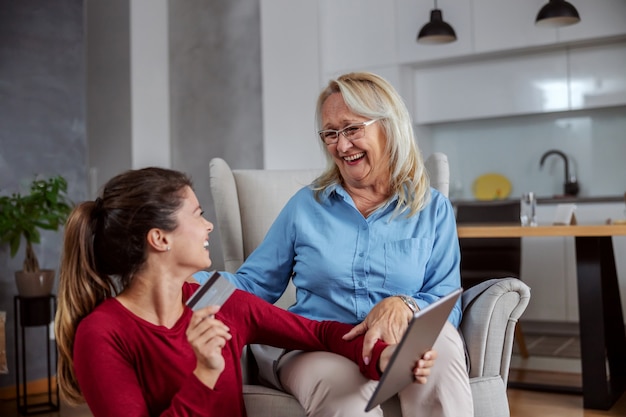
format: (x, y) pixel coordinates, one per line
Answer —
(371, 96)
(104, 245)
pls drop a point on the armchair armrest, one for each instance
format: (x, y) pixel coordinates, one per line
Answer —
(490, 313)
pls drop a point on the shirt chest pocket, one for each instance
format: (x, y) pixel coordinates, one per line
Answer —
(405, 264)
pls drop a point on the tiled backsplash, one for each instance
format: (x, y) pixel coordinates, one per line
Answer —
(594, 140)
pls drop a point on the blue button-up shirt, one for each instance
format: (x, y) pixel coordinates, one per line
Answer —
(342, 263)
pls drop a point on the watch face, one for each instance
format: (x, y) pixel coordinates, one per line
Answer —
(410, 303)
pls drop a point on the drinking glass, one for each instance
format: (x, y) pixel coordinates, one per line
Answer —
(528, 209)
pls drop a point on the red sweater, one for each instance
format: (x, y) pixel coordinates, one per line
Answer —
(128, 367)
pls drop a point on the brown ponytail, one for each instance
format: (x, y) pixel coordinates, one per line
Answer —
(81, 289)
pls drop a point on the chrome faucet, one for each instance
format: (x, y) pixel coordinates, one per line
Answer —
(570, 187)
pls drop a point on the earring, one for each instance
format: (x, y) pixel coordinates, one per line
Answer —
(168, 249)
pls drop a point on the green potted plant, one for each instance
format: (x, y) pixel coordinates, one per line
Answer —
(45, 207)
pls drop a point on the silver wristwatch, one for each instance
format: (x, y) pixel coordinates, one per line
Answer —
(410, 302)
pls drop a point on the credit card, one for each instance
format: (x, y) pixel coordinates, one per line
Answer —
(215, 291)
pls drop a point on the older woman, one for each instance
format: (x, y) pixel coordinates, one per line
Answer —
(367, 243)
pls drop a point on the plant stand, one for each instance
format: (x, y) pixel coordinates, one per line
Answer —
(34, 312)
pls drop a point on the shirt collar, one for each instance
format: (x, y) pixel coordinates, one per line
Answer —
(340, 192)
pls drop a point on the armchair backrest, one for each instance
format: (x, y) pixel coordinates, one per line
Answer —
(246, 203)
(439, 172)
(248, 200)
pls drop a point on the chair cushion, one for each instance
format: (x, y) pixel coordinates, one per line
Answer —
(267, 402)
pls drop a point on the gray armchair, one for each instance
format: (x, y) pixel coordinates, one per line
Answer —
(246, 204)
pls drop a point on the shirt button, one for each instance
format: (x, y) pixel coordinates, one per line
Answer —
(361, 284)
(361, 254)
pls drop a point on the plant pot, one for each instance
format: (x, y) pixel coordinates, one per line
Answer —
(34, 284)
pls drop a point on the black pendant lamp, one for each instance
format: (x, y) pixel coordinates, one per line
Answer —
(436, 31)
(557, 13)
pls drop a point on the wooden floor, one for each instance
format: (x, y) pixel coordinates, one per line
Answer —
(522, 403)
(525, 403)
(8, 408)
(531, 403)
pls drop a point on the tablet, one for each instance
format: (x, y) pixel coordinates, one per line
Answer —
(419, 337)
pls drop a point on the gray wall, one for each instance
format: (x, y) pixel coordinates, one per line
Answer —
(215, 85)
(42, 129)
(107, 50)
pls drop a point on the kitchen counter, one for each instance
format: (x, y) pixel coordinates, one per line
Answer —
(582, 200)
(559, 200)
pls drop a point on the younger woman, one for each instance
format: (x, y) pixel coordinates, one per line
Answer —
(128, 344)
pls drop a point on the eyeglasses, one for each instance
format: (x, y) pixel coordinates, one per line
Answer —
(351, 132)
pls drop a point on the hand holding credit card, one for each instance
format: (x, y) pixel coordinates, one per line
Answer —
(215, 291)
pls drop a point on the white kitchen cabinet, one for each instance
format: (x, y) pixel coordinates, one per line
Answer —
(355, 34)
(522, 84)
(543, 269)
(549, 264)
(411, 15)
(501, 25)
(598, 19)
(559, 80)
(597, 75)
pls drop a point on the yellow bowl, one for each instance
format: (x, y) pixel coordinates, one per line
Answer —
(491, 186)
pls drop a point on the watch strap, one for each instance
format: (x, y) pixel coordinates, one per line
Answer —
(410, 302)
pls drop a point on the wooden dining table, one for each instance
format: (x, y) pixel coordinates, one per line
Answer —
(601, 320)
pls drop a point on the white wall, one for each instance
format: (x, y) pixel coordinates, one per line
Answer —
(108, 104)
(149, 73)
(291, 82)
(128, 96)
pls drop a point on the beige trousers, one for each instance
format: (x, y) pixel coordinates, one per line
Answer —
(330, 385)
